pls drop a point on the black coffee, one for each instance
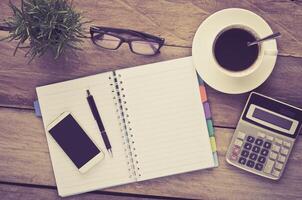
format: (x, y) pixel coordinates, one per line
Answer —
(231, 50)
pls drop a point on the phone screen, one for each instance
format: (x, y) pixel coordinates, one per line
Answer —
(74, 141)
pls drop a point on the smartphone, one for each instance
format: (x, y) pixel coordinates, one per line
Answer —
(75, 142)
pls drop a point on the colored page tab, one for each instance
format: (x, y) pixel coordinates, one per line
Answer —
(210, 127)
(203, 93)
(213, 144)
(200, 81)
(215, 156)
(37, 109)
(207, 110)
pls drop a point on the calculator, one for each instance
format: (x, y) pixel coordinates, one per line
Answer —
(265, 136)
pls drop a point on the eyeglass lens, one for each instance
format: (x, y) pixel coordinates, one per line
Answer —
(107, 41)
(144, 47)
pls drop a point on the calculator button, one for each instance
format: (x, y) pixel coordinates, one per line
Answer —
(278, 165)
(281, 158)
(256, 149)
(286, 144)
(238, 142)
(273, 155)
(236, 150)
(259, 166)
(259, 142)
(242, 160)
(248, 146)
(276, 148)
(262, 135)
(245, 153)
(269, 166)
(241, 135)
(267, 145)
(276, 173)
(264, 152)
(253, 156)
(284, 151)
(261, 159)
(250, 139)
(278, 141)
(270, 138)
(233, 157)
(250, 163)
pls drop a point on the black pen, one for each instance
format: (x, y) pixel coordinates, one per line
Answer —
(98, 120)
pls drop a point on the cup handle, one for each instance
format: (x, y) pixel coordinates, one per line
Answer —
(270, 52)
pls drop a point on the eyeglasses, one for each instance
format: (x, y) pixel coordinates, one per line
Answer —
(139, 42)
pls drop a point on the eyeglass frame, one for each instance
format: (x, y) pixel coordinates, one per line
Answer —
(144, 37)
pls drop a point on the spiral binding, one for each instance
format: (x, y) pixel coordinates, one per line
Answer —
(119, 98)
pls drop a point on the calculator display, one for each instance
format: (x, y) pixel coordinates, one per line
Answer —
(272, 119)
(273, 115)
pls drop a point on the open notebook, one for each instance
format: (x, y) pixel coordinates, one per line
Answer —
(153, 118)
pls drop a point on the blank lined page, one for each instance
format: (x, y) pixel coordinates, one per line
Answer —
(70, 96)
(167, 120)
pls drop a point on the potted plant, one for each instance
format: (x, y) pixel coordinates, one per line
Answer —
(47, 25)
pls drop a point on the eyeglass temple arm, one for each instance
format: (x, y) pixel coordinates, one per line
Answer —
(147, 35)
(119, 30)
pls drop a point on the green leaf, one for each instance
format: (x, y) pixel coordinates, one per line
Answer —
(47, 24)
(16, 49)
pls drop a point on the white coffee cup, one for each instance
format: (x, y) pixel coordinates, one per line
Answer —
(262, 52)
(221, 79)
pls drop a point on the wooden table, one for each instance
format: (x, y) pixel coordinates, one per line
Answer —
(25, 167)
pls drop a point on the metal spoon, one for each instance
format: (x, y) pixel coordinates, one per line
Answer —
(270, 37)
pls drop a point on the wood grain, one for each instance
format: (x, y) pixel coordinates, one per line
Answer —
(24, 153)
(18, 80)
(178, 20)
(13, 192)
(283, 84)
(25, 159)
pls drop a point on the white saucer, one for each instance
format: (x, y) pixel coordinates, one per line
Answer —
(207, 66)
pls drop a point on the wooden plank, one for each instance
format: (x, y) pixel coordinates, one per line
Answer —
(178, 20)
(18, 80)
(12, 192)
(25, 159)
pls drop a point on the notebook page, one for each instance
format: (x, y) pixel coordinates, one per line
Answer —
(71, 96)
(167, 119)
